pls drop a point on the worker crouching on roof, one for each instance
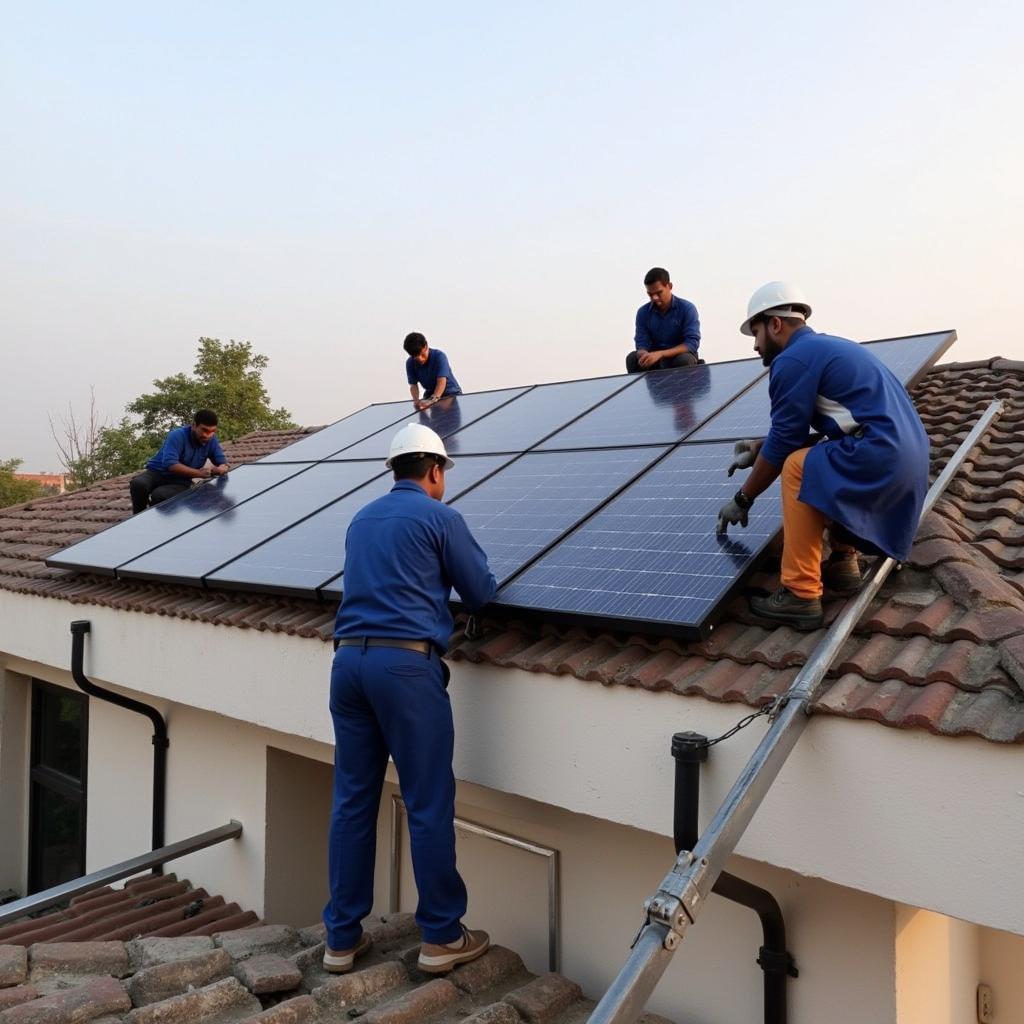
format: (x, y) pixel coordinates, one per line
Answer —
(181, 459)
(403, 554)
(867, 479)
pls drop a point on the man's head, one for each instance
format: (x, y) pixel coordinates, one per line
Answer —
(204, 424)
(659, 288)
(775, 312)
(416, 346)
(418, 454)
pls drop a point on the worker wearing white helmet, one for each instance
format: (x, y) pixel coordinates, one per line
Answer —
(866, 480)
(403, 554)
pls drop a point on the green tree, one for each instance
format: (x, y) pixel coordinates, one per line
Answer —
(12, 491)
(227, 378)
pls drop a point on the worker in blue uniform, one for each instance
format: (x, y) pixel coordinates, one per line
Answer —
(403, 554)
(866, 481)
(667, 328)
(181, 459)
(428, 368)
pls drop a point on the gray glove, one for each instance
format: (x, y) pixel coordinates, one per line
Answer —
(731, 513)
(746, 455)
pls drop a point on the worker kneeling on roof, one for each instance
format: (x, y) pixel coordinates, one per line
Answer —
(867, 480)
(403, 554)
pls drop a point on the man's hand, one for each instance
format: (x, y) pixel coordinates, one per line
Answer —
(219, 470)
(647, 359)
(745, 453)
(730, 514)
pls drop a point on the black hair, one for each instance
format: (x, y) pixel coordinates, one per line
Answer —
(414, 343)
(415, 466)
(656, 275)
(205, 418)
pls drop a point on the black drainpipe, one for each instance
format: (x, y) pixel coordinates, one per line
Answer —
(690, 749)
(160, 742)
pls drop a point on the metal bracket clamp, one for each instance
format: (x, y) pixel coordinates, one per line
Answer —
(675, 904)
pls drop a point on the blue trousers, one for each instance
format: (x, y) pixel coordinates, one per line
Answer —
(385, 700)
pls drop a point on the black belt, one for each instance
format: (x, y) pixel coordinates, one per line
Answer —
(423, 647)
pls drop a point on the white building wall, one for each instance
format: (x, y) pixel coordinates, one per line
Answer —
(857, 804)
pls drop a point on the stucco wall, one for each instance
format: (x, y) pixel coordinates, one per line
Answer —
(15, 712)
(857, 804)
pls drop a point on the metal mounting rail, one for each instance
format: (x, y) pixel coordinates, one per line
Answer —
(684, 890)
(143, 862)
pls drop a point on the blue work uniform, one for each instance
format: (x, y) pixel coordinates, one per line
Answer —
(403, 554)
(426, 374)
(678, 325)
(180, 446)
(871, 475)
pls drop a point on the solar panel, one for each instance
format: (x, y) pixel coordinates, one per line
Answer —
(310, 553)
(105, 551)
(446, 417)
(342, 434)
(533, 501)
(750, 414)
(660, 408)
(529, 419)
(651, 560)
(188, 559)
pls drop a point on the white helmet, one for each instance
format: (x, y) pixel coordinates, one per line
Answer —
(416, 439)
(775, 297)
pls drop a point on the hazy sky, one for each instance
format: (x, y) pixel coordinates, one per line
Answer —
(320, 179)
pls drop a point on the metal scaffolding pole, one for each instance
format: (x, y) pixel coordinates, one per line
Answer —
(684, 890)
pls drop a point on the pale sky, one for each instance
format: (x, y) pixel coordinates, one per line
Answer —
(322, 178)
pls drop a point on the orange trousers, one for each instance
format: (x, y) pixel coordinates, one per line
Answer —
(803, 527)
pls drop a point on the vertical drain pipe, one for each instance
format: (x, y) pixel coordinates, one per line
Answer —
(690, 749)
(160, 742)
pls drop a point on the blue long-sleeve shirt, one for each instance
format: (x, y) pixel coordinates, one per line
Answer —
(403, 554)
(426, 374)
(678, 325)
(871, 474)
(180, 446)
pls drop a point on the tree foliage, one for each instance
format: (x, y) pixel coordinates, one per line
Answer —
(227, 377)
(13, 491)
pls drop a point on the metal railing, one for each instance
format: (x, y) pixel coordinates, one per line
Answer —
(685, 889)
(549, 854)
(143, 862)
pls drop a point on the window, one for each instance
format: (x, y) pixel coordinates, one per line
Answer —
(60, 729)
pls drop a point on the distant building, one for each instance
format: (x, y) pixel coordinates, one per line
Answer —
(55, 483)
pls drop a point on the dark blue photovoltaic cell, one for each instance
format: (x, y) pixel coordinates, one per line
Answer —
(651, 557)
(529, 419)
(531, 502)
(750, 414)
(312, 552)
(446, 417)
(342, 434)
(205, 549)
(660, 408)
(105, 551)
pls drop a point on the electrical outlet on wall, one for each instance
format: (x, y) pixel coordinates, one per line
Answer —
(985, 1015)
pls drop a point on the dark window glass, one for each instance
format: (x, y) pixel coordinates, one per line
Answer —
(57, 795)
(61, 734)
(60, 829)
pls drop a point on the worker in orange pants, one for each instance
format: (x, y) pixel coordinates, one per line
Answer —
(866, 481)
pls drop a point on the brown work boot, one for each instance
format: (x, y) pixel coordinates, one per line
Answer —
(785, 607)
(841, 572)
(436, 959)
(340, 961)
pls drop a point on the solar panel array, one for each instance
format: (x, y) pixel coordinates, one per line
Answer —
(595, 500)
